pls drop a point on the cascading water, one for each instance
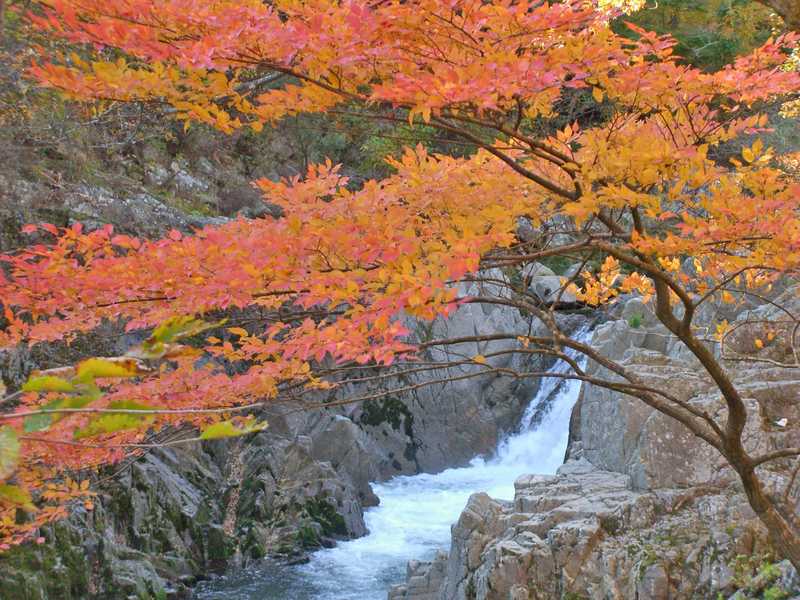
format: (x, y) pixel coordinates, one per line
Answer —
(414, 517)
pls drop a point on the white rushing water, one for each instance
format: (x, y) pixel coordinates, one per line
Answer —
(414, 517)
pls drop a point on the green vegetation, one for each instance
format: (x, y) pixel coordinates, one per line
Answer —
(710, 33)
(635, 321)
(307, 537)
(323, 512)
(388, 410)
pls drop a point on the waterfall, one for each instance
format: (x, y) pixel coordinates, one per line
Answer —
(414, 517)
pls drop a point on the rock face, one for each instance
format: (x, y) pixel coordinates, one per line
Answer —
(136, 212)
(641, 509)
(186, 511)
(586, 532)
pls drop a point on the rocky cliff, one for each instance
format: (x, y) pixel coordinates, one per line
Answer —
(640, 509)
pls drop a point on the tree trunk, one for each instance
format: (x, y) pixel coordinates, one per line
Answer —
(783, 531)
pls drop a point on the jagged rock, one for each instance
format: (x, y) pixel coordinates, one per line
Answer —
(141, 213)
(342, 444)
(471, 415)
(185, 182)
(464, 413)
(535, 269)
(184, 512)
(643, 509)
(317, 488)
(553, 289)
(15, 366)
(546, 285)
(586, 533)
(422, 579)
(156, 174)
(525, 230)
(620, 433)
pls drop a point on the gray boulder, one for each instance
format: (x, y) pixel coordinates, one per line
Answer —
(585, 533)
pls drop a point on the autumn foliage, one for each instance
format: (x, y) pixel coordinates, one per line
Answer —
(334, 282)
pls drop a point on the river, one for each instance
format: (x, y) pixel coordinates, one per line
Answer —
(414, 517)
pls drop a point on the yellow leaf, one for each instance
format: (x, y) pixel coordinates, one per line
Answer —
(9, 451)
(109, 423)
(480, 359)
(670, 264)
(295, 224)
(748, 155)
(727, 297)
(47, 383)
(99, 368)
(226, 429)
(759, 343)
(426, 114)
(597, 94)
(16, 496)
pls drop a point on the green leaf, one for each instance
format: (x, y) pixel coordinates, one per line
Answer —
(179, 328)
(44, 421)
(224, 429)
(109, 423)
(13, 494)
(160, 350)
(41, 422)
(227, 429)
(48, 383)
(9, 451)
(170, 331)
(101, 368)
